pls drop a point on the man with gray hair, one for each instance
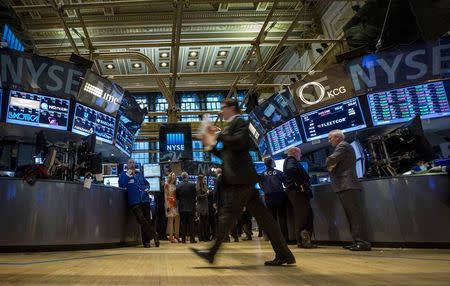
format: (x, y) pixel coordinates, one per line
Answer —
(186, 196)
(342, 167)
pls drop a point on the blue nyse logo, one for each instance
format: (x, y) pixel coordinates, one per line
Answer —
(175, 141)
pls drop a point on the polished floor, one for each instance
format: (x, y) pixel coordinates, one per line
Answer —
(238, 264)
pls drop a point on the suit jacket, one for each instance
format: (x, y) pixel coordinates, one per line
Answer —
(295, 176)
(238, 167)
(343, 176)
(186, 196)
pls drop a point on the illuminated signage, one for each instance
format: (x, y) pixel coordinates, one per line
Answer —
(87, 121)
(9, 37)
(175, 141)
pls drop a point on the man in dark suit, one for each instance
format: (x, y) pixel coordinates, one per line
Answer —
(238, 186)
(186, 196)
(299, 194)
(342, 167)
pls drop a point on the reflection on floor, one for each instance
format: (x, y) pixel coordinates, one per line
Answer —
(238, 264)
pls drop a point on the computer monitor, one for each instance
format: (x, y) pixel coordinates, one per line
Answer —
(152, 170)
(155, 184)
(111, 181)
(283, 137)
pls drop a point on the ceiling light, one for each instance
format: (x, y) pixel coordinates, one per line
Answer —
(193, 54)
(253, 52)
(247, 62)
(191, 63)
(219, 63)
(222, 53)
(164, 55)
(110, 66)
(163, 64)
(136, 65)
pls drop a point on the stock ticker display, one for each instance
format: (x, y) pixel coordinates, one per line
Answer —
(400, 105)
(87, 121)
(38, 110)
(284, 136)
(124, 139)
(345, 115)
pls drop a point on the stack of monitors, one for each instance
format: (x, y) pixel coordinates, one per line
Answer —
(87, 121)
(401, 105)
(38, 110)
(283, 137)
(346, 115)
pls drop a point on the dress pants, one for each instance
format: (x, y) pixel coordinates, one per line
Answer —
(142, 214)
(187, 225)
(236, 197)
(280, 215)
(300, 205)
(352, 203)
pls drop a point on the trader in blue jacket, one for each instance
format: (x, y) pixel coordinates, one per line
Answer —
(139, 201)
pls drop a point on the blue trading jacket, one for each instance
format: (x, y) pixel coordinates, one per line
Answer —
(135, 186)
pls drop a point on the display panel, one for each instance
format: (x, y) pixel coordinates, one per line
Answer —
(155, 184)
(284, 137)
(260, 167)
(124, 138)
(100, 93)
(211, 182)
(262, 147)
(152, 170)
(111, 181)
(346, 115)
(256, 130)
(87, 121)
(38, 110)
(276, 110)
(400, 105)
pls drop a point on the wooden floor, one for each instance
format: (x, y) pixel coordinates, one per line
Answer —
(238, 264)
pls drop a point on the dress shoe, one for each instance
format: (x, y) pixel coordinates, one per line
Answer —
(349, 246)
(360, 247)
(157, 243)
(204, 254)
(147, 245)
(280, 261)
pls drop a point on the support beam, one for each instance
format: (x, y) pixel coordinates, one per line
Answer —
(176, 35)
(59, 11)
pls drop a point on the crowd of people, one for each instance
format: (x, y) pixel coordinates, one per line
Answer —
(193, 210)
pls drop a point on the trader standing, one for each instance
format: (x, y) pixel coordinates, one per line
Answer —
(238, 186)
(186, 196)
(139, 201)
(342, 167)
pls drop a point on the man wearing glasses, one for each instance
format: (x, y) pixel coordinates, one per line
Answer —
(238, 185)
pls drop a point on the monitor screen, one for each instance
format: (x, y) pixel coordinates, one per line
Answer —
(276, 110)
(152, 170)
(262, 147)
(346, 115)
(87, 121)
(283, 137)
(260, 167)
(100, 93)
(155, 184)
(401, 105)
(38, 110)
(256, 130)
(111, 181)
(211, 182)
(124, 139)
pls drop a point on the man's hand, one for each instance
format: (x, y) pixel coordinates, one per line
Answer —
(302, 189)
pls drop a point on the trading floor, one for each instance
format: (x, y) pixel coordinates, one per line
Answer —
(239, 264)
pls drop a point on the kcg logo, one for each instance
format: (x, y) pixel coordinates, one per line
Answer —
(319, 90)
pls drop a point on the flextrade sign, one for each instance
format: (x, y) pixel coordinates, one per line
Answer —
(321, 87)
(21, 71)
(175, 142)
(388, 70)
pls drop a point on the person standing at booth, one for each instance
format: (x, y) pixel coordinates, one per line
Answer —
(139, 201)
(342, 167)
(172, 214)
(299, 193)
(186, 196)
(238, 185)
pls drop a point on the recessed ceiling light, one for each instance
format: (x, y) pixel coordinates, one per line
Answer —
(163, 64)
(219, 63)
(253, 52)
(136, 65)
(247, 62)
(193, 54)
(222, 53)
(191, 63)
(164, 55)
(110, 66)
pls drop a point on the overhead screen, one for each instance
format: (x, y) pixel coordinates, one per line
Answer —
(124, 139)
(87, 121)
(100, 93)
(37, 110)
(400, 105)
(284, 136)
(345, 115)
(152, 170)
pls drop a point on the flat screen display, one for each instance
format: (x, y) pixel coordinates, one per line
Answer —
(87, 121)
(155, 185)
(211, 182)
(256, 130)
(124, 139)
(38, 110)
(346, 115)
(283, 137)
(100, 93)
(262, 147)
(428, 100)
(111, 181)
(152, 170)
(260, 167)
(276, 110)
